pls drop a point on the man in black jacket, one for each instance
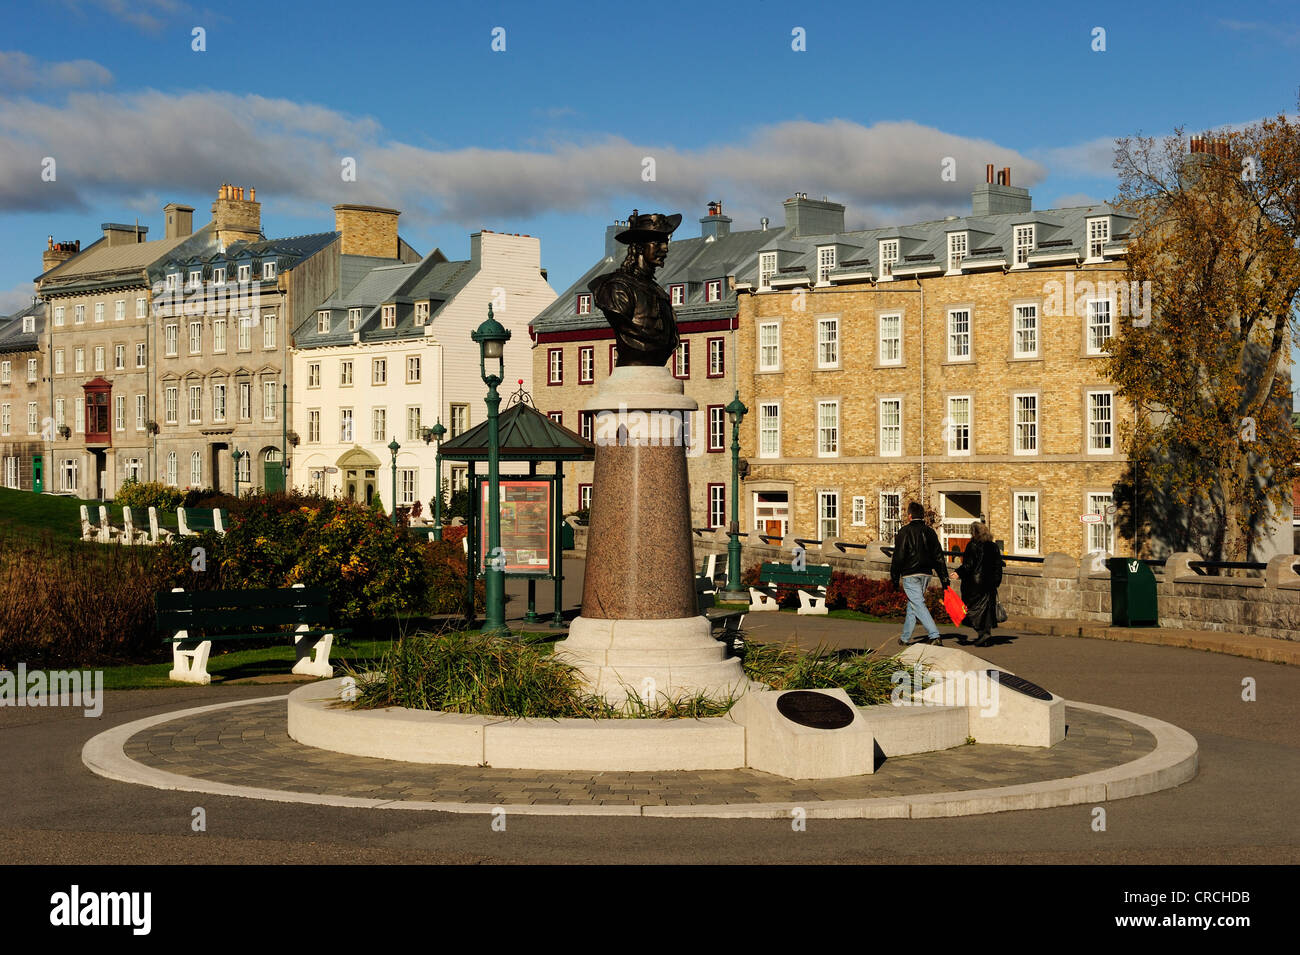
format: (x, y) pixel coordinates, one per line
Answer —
(916, 554)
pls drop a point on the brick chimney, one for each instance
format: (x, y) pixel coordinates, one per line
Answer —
(57, 253)
(178, 219)
(715, 225)
(367, 230)
(234, 218)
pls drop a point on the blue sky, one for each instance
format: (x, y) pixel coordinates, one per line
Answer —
(548, 136)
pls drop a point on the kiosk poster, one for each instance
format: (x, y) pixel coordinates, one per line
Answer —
(525, 527)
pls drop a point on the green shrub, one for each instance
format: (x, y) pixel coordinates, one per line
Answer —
(142, 495)
(867, 678)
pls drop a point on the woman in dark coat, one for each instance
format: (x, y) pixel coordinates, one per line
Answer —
(981, 574)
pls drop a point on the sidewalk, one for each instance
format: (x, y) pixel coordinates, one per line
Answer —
(1268, 649)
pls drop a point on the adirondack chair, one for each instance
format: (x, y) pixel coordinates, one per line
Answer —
(130, 533)
(157, 533)
(194, 521)
(89, 531)
(107, 532)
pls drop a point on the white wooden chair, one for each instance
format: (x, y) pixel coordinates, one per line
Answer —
(130, 533)
(157, 533)
(89, 531)
(107, 532)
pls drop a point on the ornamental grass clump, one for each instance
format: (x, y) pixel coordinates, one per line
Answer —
(868, 679)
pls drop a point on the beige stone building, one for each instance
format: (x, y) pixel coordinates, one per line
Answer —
(24, 400)
(956, 362)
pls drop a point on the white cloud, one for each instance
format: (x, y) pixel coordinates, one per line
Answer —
(145, 14)
(18, 71)
(115, 147)
(11, 300)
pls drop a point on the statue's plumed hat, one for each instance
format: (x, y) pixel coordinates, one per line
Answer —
(650, 227)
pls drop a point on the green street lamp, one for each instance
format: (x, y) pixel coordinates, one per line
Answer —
(491, 337)
(236, 457)
(435, 434)
(394, 447)
(737, 410)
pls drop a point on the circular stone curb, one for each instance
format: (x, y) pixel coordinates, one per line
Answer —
(1173, 762)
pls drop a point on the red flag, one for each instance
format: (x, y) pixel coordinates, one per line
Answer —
(954, 605)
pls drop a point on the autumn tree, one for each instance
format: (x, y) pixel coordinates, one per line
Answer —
(1208, 370)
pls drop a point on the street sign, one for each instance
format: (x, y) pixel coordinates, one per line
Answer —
(1090, 518)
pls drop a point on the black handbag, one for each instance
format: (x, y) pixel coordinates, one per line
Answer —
(1001, 612)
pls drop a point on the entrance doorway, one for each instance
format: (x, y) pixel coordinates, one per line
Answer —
(958, 510)
(360, 470)
(272, 473)
(38, 475)
(214, 466)
(772, 513)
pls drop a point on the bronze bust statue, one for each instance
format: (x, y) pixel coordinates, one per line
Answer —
(635, 305)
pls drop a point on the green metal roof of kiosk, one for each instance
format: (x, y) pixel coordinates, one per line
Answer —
(525, 435)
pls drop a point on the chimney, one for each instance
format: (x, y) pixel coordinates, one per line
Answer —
(178, 219)
(715, 225)
(57, 253)
(763, 222)
(235, 219)
(998, 197)
(117, 233)
(804, 216)
(367, 230)
(613, 248)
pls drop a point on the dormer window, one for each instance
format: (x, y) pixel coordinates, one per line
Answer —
(268, 270)
(354, 319)
(584, 303)
(1024, 244)
(888, 257)
(677, 294)
(173, 281)
(713, 290)
(956, 250)
(1098, 236)
(766, 269)
(825, 263)
(196, 278)
(388, 316)
(219, 275)
(29, 323)
(245, 273)
(323, 322)
(421, 313)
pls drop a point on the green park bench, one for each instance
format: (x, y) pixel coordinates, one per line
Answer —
(192, 619)
(730, 621)
(192, 521)
(811, 583)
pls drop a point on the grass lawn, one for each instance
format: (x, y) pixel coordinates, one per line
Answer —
(839, 614)
(25, 514)
(247, 664)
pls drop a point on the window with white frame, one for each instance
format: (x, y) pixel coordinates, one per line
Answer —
(1098, 236)
(825, 263)
(313, 374)
(459, 478)
(119, 414)
(245, 400)
(958, 425)
(11, 472)
(1025, 331)
(68, 473)
(58, 363)
(134, 469)
(354, 319)
(1024, 510)
(173, 281)
(141, 354)
(586, 365)
(413, 423)
(345, 425)
(1025, 424)
(171, 468)
(828, 514)
(828, 342)
(717, 428)
(1023, 244)
(859, 510)
(196, 337)
(119, 310)
(891, 339)
(99, 358)
(1101, 422)
(584, 303)
(713, 290)
(717, 357)
(219, 401)
(891, 427)
(79, 415)
(1099, 325)
(556, 416)
(378, 424)
(682, 360)
(196, 404)
(956, 250)
(170, 334)
(769, 430)
(586, 425)
(141, 307)
(29, 324)
(268, 331)
(677, 294)
(313, 425)
(6, 414)
(766, 269)
(323, 322)
(407, 486)
(412, 369)
(268, 270)
(421, 313)
(555, 366)
(99, 312)
(196, 278)
(959, 334)
(345, 371)
(6, 372)
(717, 505)
(31, 369)
(196, 469)
(219, 335)
(58, 316)
(60, 413)
(388, 316)
(888, 257)
(79, 314)
(119, 360)
(141, 411)
(245, 333)
(1099, 536)
(584, 496)
(246, 468)
(219, 275)
(769, 346)
(459, 420)
(78, 360)
(270, 397)
(828, 429)
(379, 371)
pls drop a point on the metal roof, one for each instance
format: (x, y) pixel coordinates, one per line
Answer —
(525, 434)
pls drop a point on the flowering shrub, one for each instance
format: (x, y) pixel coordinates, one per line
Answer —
(862, 594)
(142, 495)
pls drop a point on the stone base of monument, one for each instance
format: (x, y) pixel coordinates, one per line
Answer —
(805, 734)
(1001, 707)
(651, 659)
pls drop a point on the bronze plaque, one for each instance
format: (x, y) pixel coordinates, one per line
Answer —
(817, 710)
(1013, 682)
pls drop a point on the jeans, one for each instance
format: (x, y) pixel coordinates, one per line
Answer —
(914, 587)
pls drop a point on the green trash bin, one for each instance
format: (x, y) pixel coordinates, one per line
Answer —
(1132, 593)
(566, 536)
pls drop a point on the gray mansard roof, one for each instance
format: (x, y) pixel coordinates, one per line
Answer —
(13, 338)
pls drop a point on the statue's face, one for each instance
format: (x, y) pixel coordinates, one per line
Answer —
(656, 252)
